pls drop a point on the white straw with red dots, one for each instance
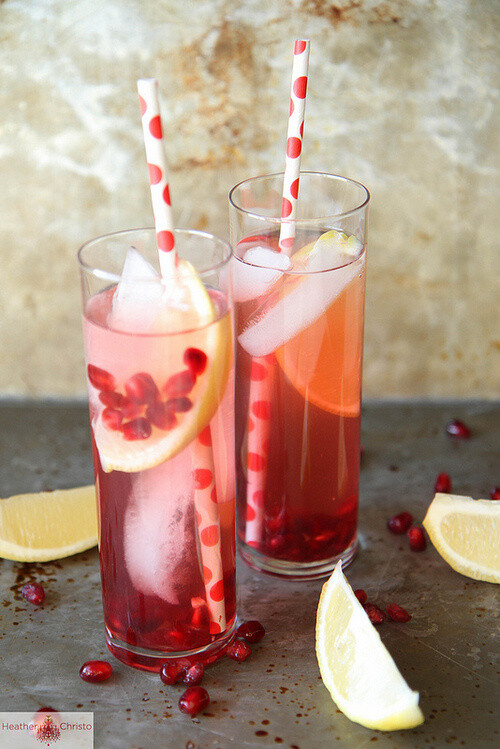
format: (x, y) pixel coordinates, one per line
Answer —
(208, 522)
(158, 174)
(294, 138)
(259, 419)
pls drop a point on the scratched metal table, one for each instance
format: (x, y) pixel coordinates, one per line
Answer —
(447, 651)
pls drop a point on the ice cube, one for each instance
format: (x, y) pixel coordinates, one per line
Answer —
(159, 530)
(261, 268)
(137, 301)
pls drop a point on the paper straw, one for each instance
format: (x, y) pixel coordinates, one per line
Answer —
(158, 174)
(294, 138)
(207, 518)
(259, 419)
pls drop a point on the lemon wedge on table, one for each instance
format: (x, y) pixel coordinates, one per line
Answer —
(356, 667)
(466, 533)
(48, 525)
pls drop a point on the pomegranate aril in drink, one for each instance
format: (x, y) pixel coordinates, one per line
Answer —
(137, 429)
(161, 416)
(196, 360)
(375, 615)
(193, 700)
(251, 631)
(172, 673)
(111, 398)
(361, 596)
(179, 384)
(457, 428)
(399, 524)
(238, 651)
(142, 389)
(182, 405)
(95, 671)
(495, 492)
(397, 613)
(112, 418)
(130, 408)
(417, 539)
(34, 593)
(443, 484)
(100, 379)
(194, 674)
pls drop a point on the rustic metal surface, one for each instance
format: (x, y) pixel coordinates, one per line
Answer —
(276, 698)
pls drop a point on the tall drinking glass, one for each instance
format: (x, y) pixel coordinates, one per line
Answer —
(160, 381)
(299, 324)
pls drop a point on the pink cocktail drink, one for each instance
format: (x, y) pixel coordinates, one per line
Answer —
(161, 398)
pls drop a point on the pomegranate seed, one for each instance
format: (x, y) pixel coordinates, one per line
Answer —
(34, 593)
(194, 674)
(100, 379)
(276, 543)
(196, 360)
(161, 416)
(443, 484)
(238, 651)
(95, 671)
(251, 631)
(179, 384)
(111, 398)
(457, 428)
(495, 492)
(417, 539)
(142, 389)
(138, 429)
(375, 615)
(361, 596)
(399, 524)
(397, 613)
(172, 673)
(193, 701)
(112, 418)
(130, 409)
(179, 404)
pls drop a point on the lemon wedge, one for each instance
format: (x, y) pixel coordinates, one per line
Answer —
(355, 666)
(48, 525)
(466, 533)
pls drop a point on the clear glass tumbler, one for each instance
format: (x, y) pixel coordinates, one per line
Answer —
(299, 326)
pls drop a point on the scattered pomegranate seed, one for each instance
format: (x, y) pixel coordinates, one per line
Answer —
(457, 428)
(112, 418)
(194, 674)
(171, 673)
(34, 593)
(142, 389)
(179, 404)
(361, 596)
(251, 631)
(111, 398)
(193, 700)
(137, 429)
(179, 384)
(443, 484)
(375, 615)
(238, 651)
(100, 379)
(397, 613)
(196, 360)
(161, 416)
(495, 492)
(95, 671)
(399, 524)
(417, 538)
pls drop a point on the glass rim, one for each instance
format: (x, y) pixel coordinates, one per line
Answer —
(108, 276)
(299, 221)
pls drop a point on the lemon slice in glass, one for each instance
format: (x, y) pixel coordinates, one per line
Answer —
(48, 525)
(466, 534)
(355, 666)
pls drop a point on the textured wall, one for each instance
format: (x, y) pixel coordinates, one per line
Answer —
(402, 96)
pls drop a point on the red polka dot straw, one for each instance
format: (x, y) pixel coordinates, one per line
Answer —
(294, 143)
(259, 420)
(207, 517)
(158, 173)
